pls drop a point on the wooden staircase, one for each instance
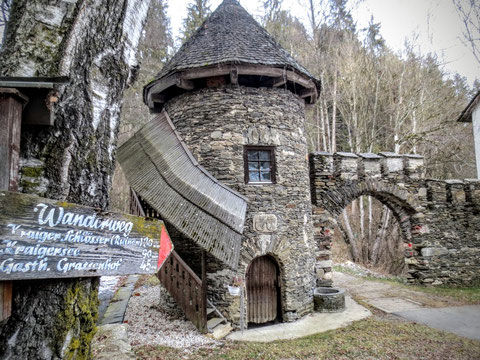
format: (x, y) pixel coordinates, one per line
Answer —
(214, 317)
(186, 288)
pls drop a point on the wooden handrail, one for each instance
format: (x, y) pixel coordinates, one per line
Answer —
(186, 289)
(187, 268)
(136, 207)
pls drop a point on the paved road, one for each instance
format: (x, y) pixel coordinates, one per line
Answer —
(310, 324)
(434, 311)
(460, 320)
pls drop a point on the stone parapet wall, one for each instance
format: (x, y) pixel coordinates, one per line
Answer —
(447, 243)
(439, 218)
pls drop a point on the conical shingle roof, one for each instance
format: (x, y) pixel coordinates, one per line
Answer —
(231, 36)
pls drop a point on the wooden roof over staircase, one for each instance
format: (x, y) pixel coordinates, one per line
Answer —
(161, 169)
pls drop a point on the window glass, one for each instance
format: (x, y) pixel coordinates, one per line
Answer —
(254, 176)
(265, 176)
(265, 165)
(264, 155)
(252, 155)
(259, 165)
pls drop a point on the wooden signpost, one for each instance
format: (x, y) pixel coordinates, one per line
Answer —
(43, 238)
(12, 103)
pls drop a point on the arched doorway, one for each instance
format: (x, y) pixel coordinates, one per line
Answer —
(263, 290)
(368, 234)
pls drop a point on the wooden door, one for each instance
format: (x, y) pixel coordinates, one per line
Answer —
(262, 290)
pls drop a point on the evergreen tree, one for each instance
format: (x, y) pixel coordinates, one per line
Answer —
(374, 40)
(197, 13)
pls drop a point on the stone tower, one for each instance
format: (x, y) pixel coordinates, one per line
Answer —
(238, 101)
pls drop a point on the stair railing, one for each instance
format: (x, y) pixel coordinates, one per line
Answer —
(186, 288)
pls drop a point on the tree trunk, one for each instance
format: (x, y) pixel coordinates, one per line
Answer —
(334, 114)
(351, 238)
(380, 239)
(94, 43)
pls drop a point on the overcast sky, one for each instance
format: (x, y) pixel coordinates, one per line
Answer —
(435, 22)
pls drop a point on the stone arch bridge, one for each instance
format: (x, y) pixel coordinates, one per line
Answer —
(439, 218)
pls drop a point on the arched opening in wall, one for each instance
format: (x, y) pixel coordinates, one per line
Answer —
(368, 234)
(263, 291)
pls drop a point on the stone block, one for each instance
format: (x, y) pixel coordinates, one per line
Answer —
(216, 135)
(392, 163)
(455, 191)
(328, 275)
(414, 166)
(436, 191)
(433, 251)
(370, 165)
(265, 223)
(111, 342)
(320, 272)
(322, 163)
(324, 264)
(346, 165)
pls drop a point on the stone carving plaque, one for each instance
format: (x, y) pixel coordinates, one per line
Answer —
(265, 223)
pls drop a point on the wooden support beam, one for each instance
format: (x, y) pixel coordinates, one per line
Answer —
(304, 93)
(154, 93)
(207, 72)
(11, 105)
(183, 80)
(276, 81)
(154, 100)
(279, 81)
(204, 287)
(234, 77)
(260, 70)
(5, 299)
(184, 83)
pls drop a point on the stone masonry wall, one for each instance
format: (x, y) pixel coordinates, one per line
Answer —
(439, 220)
(216, 124)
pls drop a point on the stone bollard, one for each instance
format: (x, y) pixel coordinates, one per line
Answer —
(345, 165)
(370, 166)
(392, 164)
(414, 166)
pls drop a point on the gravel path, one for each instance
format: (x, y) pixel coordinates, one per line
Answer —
(154, 319)
(108, 286)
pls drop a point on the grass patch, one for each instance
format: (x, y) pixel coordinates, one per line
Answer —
(371, 338)
(146, 279)
(468, 295)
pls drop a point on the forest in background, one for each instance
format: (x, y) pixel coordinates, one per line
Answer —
(373, 99)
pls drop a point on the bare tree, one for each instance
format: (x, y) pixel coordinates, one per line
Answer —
(469, 12)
